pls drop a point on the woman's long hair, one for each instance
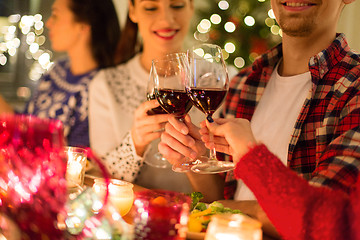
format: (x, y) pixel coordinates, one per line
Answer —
(129, 44)
(105, 28)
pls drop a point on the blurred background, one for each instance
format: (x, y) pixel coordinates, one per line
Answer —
(244, 29)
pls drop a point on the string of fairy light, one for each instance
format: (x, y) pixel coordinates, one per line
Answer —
(32, 28)
(205, 27)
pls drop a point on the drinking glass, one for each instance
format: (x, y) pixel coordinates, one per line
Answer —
(157, 160)
(170, 74)
(32, 175)
(76, 165)
(234, 227)
(161, 214)
(207, 88)
(121, 193)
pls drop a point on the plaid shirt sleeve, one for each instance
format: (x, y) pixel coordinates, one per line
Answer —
(338, 139)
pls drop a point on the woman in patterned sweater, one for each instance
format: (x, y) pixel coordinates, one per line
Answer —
(89, 32)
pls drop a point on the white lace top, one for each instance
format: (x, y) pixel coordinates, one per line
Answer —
(114, 95)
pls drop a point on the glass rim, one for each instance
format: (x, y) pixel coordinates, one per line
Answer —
(176, 55)
(167, 194)
(31, 118)
(75, 149)
(237, 220)
(115, 182)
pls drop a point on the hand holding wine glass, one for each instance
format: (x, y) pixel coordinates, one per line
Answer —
(207, 88)
(157, 160)
(170, 74)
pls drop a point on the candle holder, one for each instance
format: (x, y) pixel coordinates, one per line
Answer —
(161, 214)
(76, 165)
(233, 226)
(121, 194)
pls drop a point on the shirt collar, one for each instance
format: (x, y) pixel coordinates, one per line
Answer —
(329, 57)
(319, 64)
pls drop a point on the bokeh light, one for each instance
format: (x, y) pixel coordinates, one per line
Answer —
(223, 5)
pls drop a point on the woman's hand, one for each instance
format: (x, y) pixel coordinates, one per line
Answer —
(147, 128)
(180, 140)
(231, 136)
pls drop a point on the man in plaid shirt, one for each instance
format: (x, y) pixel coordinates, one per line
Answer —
(313, 79)
(324, 147)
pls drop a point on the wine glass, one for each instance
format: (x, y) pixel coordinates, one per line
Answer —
(32, 175)
(170, 74)
(157, 160)
(207, 88)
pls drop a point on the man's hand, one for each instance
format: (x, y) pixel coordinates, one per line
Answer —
(231, 136)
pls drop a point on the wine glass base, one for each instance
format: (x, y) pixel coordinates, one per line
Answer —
(158, 161)
(185, 166)
(182, 168)
(212, 167)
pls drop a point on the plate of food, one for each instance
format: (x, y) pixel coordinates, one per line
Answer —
(201, 213)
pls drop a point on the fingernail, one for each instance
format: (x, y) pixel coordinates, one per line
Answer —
(184, 131)
(209, 118)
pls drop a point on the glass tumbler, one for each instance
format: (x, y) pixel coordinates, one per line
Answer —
(121, 194)
(76, 165)
(160, 214)
(234, 227)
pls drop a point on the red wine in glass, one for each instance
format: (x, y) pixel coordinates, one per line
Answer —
(207, 99)
(157, 110)
(175, 102)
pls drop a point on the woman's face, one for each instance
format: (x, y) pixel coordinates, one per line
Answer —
(64, 31)
(163, 24)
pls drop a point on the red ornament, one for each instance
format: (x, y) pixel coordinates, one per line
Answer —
(234, 20)
(258, 45)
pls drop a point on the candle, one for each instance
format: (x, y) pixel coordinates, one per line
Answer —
(233, 227)
(76, 164)
(121, 194)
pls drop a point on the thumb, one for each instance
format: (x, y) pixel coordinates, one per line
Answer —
(212, 125)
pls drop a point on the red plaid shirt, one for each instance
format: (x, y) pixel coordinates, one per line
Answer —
(325, 144)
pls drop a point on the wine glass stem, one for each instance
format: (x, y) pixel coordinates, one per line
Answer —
(212, 155)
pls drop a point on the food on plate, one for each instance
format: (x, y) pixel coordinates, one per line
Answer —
(201, 212)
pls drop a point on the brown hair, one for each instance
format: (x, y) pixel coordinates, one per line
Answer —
(129, 44)
(105, 28)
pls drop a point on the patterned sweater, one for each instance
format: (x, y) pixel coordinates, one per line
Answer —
(64, 96)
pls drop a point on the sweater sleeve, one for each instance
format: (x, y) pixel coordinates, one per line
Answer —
(297, 209)
(123, 162)
(116, 151)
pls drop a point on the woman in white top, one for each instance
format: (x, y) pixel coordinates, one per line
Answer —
(120, 129)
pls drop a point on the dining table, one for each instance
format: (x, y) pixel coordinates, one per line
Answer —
(91, 175)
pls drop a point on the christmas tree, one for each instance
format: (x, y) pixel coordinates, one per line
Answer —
(244, 29)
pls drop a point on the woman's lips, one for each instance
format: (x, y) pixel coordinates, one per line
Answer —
(166, 33)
